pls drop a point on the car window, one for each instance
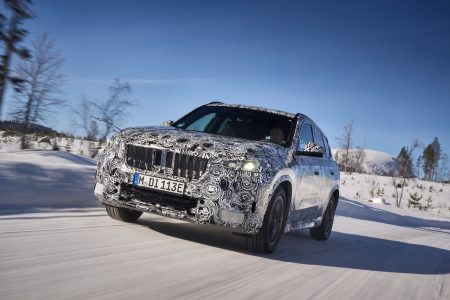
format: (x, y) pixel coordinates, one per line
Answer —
(202, 123)
(305, 136)
(327, 146)
(243, 123)
(318, 138)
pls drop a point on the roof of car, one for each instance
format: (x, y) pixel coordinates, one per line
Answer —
(274, 111)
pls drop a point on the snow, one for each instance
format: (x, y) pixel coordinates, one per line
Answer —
(40, 179)
(68, 248)
(11, 143)
(377, 162)
(378, 200)
(357, 187)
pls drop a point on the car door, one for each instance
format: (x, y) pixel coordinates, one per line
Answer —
(322, 165)
(305, 196)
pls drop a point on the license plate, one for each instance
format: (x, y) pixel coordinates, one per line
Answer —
(159, 184)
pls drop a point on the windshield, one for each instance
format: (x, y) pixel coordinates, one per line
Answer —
(241, 123)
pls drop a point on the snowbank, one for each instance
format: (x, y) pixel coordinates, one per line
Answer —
(365, 188)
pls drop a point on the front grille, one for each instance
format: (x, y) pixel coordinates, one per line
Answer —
(178, 202)
(152, 159)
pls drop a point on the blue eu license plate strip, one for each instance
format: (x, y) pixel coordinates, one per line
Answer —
(136, 179)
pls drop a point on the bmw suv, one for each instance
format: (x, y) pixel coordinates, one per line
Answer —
(256, 171)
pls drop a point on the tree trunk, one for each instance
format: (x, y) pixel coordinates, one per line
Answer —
(26, 123)
(6, 59)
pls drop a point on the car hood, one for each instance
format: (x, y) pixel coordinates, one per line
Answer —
(199, 143)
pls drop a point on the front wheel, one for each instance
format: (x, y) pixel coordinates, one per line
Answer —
(122, 214)
(322, 233)
(268, 237)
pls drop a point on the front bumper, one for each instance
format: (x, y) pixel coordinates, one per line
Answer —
(221, 197)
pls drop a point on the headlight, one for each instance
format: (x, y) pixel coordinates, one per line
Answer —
(117, 145)
(245, 165)
(250, 165)
(113, 142)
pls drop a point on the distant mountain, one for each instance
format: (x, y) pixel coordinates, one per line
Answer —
(377, 162)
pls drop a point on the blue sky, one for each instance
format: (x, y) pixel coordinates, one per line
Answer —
(383, 64)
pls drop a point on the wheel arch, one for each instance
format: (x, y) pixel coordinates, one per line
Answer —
(287, 186)
(335, 194)
(284, 181)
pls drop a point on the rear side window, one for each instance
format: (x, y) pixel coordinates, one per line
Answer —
(318, 140)
(305, 136)
(327, 146)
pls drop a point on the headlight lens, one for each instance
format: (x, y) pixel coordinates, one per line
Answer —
(250, 165)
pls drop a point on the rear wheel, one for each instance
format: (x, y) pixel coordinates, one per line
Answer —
(268, 237)
(322, 232)
(122, 214)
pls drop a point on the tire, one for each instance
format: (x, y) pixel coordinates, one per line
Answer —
(268, 237)
(322, 233)
(122, 214)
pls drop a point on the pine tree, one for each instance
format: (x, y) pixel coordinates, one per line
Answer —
(11, 34)
(437, 156)
(414, 200)
(405, 170)
(429, 159)
(405, 163)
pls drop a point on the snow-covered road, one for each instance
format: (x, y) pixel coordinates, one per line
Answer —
(85, 255)
(373, 253)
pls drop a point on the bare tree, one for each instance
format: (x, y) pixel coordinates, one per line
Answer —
(84, 119)
(113, 111)
(357, 161)
(443, 167)
(345, 144)
(404, 166)
(418, 165)
(38, 94)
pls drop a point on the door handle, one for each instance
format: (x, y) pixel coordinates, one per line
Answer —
(316, 172)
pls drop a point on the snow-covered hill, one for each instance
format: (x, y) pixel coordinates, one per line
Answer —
(379, 163)
(376, 162)
(11, 143)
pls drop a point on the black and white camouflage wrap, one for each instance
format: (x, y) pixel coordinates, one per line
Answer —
(221, 191)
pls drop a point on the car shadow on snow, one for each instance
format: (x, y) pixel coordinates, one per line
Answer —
(342, 250)
(358, 210)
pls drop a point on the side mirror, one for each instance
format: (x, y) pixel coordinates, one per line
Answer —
(167, 123)
(312, 149)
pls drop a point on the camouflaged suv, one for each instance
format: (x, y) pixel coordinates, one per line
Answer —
(258, 172)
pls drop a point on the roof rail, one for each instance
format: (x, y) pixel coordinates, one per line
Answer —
(214, 102)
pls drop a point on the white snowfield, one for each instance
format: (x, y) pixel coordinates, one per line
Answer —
(67, 248)
(376, 162)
